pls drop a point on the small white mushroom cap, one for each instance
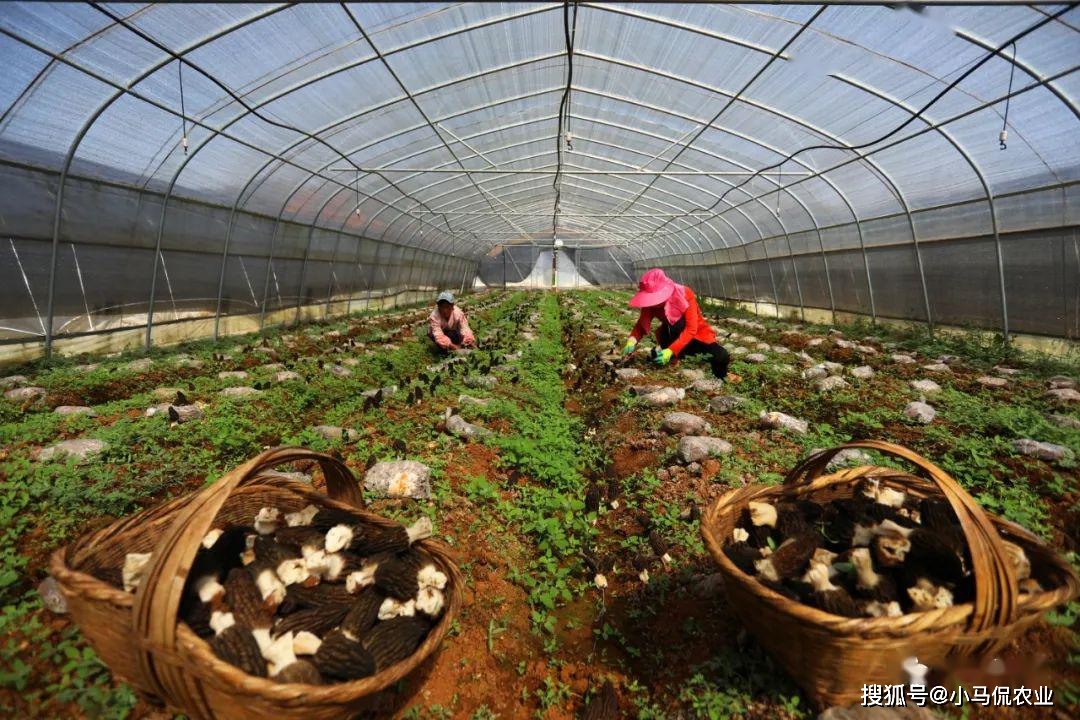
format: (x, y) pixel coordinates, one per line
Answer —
(221, 621)
(357, 581)
(338, 537)
(301, 517)
(306, 643)
(267, 520)
(430, 601)
(431, 576)
(600, 581)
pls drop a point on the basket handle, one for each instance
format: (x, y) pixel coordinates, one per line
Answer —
(157, 600)
(996, 589)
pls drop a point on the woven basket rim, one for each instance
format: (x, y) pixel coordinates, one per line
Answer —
(736, 499)
(208, 667)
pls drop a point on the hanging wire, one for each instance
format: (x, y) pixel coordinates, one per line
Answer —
(1004, 135)
(779, 186)
(357, 193)
(569, 29)
(183, 112)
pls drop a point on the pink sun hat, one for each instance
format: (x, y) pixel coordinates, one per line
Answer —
(655, 287)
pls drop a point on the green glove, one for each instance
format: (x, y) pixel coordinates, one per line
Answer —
(664, 356)
(631, 345)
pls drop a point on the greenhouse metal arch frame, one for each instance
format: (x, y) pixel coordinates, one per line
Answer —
(456, 97)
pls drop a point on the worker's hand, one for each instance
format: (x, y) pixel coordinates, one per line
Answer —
(663, 357)
(454, 346)
(631, 345)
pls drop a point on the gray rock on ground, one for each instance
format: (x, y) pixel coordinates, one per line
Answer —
(91, 367)
(1002, 370)
(459, 426)
(780, 421)
(902, 359)
(925, 386)
(52, 597)
(709, 386)
(166, 393)
(1061, 382)
(815, 373)
(139, 365)
(339, 371)
(640, 390)
(232, 375)
(846, 457)
(13, 381)
(937, 368)
(241, 392)
(692, 374)
(333, 432)
(190, 363)
(287, 376)
(681, 423)
(1065, 421)
(920, 412)
(82, 449)
(831, 383)
(695, 448)
(1042, 450)
(833, 368)
(399, 479)
(485, 382)
(866, 349)
(350, 362)
(664, 397)
(386, 391)
(804, 358)
(756, 358)
(815, 342)
(628, 373)
(863, 372)
(1063, 395)
(726, 403)
(75, 410)
(739, 350)
(991, 381)
(25, 394)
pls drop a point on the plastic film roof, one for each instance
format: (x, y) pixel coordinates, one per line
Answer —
(438, 125)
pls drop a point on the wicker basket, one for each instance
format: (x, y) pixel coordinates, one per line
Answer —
(138, 635)
(831, 657)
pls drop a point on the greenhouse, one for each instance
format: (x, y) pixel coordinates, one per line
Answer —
(508, 360)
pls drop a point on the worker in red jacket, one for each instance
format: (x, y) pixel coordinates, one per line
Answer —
(683, 330)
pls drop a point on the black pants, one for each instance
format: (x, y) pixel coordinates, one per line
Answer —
(668, 334)
(453, 335)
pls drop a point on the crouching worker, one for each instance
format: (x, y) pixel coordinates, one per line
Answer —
(448, 326)
(683, 330)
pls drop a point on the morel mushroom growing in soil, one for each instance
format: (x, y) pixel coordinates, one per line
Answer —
(312, 596)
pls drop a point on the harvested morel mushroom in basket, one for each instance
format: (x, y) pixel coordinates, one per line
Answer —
(312, 597)
(880, 553)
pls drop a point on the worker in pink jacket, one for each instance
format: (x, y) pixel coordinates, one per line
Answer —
(449, 327)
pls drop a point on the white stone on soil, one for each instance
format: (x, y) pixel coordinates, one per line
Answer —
(333, 432)
(920, 412)
(628, 373)
(339, 371)
(232, 375)
(75, 410)
(815, 342)
(82, 449)
(1042, 450)
(740, 350)
(13, 381)
(692, 374)
(991, 381)
(925, 386)
(681, 423)
(1063, 395)
(481, 381)
(1061, 382)
(709, 386)
(1002, 370)
(399, 479)
(937, 368)
(664, 397)
(240, 392)
(457, 425)
(139, 365)
(756, 358)
(863, 372)
(780, 421)
(902, 359)
(25, 394)
(815, 373)
(726, 404)
(694, 448)
(287, 376)
(831, 383)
